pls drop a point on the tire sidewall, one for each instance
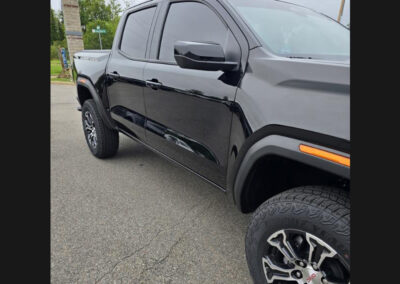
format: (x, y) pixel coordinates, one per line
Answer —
(298, 216)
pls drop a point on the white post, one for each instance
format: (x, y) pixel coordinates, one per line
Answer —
(101, 46)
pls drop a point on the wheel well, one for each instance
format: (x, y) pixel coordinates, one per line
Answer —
(273, 174)
(83, 94)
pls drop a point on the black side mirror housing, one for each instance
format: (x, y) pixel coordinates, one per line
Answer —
(202, 56)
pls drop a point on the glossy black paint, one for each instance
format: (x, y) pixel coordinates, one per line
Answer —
(194, 104)
(125, 87)
(208, 121)
(202, 56)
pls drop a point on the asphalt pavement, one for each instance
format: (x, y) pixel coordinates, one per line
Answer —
(136, 217)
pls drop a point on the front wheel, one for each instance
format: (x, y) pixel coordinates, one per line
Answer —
(301, 236)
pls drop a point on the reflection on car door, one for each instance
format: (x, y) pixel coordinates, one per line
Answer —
(125, 73)
(189, 114)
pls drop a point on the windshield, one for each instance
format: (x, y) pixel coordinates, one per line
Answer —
(293, 31)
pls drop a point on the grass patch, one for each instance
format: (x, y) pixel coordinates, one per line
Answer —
(55, 67)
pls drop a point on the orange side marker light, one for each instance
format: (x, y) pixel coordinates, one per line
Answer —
(325, 155)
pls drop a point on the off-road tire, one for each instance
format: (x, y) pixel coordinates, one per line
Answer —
(318, 210)
(107, 139)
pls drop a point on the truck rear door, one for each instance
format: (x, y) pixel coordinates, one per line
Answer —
(125, 70)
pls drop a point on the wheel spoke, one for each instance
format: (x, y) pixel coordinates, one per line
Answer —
(283, 245)
(327, 252)
(94, 139)
(312, 246)
(89, 117)
(278, 277)
(269, 266)
(88, 127)
(273, 266)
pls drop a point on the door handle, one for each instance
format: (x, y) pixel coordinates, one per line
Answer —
(115, 74)
(154, 84)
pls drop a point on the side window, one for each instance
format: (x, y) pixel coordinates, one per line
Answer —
(190, 21)
(136, 31)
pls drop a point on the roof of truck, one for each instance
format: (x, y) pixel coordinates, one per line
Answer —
(139, 2)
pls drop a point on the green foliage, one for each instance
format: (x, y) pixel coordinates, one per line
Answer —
(53, 27)
(94, 10)
(91, 40)
(60, 16)
(55, 67)
(61, 31)
(116, 9)
(95, 13)
(55, 46)
(57, 32)
(53, 52)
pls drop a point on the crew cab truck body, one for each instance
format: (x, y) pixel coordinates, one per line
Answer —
(252, 96)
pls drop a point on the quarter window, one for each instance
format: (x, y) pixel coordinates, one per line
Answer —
(190, 21)
(137, 27)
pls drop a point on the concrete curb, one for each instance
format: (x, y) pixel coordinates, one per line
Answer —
(62, 83)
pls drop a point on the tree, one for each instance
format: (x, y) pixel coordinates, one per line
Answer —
(61, 31)
(94, 10)
(53, 27)
(57, 31)
(127, 4)
(60, 25)
(116, 9)
(91, 40)
(60, 16)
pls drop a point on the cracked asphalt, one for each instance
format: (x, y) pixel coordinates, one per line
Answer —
(135, 218)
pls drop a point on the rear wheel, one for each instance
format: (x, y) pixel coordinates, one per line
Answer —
(301, 236)
(102, 141)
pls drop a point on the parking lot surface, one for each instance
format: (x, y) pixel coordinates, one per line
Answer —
(135, 218)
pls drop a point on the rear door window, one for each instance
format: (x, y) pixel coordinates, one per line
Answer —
(136, 31)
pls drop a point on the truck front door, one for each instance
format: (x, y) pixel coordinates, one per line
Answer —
(189, 111)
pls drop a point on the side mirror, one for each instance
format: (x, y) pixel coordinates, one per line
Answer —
(202, 56)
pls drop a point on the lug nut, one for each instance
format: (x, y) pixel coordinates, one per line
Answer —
(302, 264)
(298, 274)
(324, 281)
(314, 266)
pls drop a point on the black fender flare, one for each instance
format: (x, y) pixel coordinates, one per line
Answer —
(286, 147)
(103, 113)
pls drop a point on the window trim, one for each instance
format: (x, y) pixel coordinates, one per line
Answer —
(124, 54)
(164, 20)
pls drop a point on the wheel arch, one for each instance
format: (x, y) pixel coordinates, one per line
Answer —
(86, 90)
(274, 164)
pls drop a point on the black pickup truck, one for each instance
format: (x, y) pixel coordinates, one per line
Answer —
(253, 96)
